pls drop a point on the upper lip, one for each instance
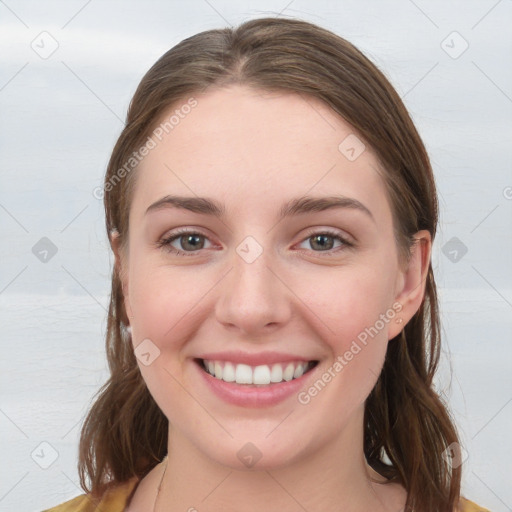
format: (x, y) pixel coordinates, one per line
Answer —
(256, 359)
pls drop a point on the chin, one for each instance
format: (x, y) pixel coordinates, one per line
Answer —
(257, 452)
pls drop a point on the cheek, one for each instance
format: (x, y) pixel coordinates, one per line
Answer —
(359, 314)
(353, 303)
(163, 302)
(355, 317)
(165, 306)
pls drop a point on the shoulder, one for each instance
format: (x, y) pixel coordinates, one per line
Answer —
(468, 506)
(114, 500)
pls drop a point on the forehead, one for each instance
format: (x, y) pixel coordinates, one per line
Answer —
(253, 149)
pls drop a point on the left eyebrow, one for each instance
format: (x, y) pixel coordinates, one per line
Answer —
(297, 206)
(307, 204)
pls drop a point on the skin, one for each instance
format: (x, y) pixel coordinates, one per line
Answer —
(253, 151)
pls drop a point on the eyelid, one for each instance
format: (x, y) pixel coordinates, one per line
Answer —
(334, 232)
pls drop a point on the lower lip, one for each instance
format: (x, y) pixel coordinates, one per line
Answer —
(251, 396)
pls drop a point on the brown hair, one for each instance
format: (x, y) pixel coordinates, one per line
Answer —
(407, 425)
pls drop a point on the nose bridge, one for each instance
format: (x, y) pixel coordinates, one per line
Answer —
(252, 297)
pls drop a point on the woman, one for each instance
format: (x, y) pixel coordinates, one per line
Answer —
(273, 330)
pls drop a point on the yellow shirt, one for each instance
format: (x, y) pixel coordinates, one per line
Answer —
(117, 498)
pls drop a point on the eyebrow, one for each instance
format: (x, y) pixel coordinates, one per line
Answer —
(297, 206)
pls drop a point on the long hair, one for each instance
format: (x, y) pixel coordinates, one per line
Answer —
(407, 427)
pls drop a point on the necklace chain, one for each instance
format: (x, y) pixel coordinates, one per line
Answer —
(160, 484)
(166, 460)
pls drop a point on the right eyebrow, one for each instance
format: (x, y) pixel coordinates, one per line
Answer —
(193, 204)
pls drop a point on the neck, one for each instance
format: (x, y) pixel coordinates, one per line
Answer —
(334, 476)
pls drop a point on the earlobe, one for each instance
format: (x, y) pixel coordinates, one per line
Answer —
(412, 281)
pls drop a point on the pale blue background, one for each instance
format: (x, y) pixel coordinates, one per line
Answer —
(60, 117)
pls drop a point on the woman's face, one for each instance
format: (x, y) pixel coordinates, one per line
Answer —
(254, 288)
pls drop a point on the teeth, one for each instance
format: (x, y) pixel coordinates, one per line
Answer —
(218, 370)
(243, 374)
(288, 372)
(261, 375)
(276, 375)
(298, 371)
(228, 373)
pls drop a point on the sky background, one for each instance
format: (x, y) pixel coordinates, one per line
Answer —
(67, 73)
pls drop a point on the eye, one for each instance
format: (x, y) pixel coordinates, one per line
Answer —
(188, 239)
(324, 241)
(192, 242)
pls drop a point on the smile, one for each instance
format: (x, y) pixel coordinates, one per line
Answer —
(261, 375)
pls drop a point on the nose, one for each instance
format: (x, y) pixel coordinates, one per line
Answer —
(254, 300)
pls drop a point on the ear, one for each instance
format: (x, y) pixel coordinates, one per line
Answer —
(121, 267)
(411, 281)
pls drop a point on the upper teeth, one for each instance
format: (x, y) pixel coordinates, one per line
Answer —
(262, 374)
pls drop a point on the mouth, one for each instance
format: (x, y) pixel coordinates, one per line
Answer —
(255, 376)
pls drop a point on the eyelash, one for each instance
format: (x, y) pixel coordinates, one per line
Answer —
(165, 243)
